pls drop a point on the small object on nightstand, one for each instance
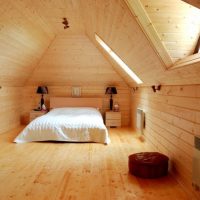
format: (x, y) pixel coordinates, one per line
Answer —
(113, 119)
(116, 107)
(44, 107)
(36, 113)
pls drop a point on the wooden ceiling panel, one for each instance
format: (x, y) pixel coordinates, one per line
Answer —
(122, 33)
(175, 21)
(30, 15)
(54, 11)
(23, 41)
(27, 29)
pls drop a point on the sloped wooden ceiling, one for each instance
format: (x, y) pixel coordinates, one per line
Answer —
(117, 26)
(29, 28)
(177, 24)
(23, 39)
(178, 28)
(53, 12)
(114, 23)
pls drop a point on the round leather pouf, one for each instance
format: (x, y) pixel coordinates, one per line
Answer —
(148, 164)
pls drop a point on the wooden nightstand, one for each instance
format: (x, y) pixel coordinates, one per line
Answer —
(34, 114)
(113, 119)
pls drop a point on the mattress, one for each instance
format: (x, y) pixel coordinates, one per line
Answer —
(66, 124)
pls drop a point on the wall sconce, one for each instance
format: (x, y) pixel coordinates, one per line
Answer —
(134, 89)
(65, 22)
(156, 87)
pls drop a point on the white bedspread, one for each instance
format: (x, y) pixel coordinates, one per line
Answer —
(66, 124)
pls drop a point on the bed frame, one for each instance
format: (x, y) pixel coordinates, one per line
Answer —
(59, 102)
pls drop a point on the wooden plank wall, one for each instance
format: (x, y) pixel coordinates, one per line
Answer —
(73, 60)
(31, 99)
(172, 120)
(23, 40)
(10, 107)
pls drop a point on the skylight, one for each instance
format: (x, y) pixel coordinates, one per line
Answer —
(117, 59)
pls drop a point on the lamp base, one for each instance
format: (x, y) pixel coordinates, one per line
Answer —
(111, 103)
(41, 102)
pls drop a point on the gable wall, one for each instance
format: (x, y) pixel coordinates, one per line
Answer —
(73, 60)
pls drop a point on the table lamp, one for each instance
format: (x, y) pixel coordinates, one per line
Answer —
(42, 90)
(111, 91)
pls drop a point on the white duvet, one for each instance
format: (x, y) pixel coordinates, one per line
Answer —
(66, 124)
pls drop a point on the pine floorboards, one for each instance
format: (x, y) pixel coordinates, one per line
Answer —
(85, 171)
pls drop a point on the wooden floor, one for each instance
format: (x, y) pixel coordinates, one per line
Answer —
(85, 171)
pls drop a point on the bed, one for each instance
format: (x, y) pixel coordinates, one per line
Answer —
(70, 120)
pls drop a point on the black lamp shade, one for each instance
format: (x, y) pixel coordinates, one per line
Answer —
(111, 91)
(42, 90)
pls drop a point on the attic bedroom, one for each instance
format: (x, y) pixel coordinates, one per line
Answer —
(133, 66)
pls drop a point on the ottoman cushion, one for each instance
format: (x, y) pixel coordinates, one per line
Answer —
(148, 164)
